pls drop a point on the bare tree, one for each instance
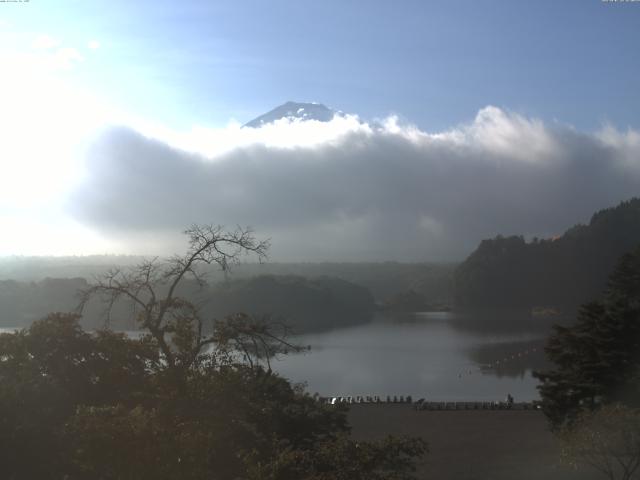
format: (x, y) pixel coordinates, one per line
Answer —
(151, 287)
(607, 439)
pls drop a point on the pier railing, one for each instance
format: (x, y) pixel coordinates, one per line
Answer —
(476, 406)
(422, 404)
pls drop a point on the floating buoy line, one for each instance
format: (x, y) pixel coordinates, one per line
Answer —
(502, 362)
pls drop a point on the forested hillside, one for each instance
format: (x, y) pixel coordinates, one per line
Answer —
(385, 280)
(304, 304)
(560, 272)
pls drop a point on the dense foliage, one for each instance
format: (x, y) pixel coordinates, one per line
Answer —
(563, 272)
(189, 399)
(597, 360)
(103, 406)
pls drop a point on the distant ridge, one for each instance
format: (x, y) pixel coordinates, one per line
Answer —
(294, 110)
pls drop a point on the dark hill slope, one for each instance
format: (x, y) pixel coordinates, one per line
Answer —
(564, 272)
(305, 304)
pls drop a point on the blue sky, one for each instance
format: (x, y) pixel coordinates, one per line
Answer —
(510, 117)
(434, 63)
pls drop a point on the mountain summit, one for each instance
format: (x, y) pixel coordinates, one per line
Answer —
(294, 110)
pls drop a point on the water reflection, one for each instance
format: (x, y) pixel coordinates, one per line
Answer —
(511, 359)
(433, 355)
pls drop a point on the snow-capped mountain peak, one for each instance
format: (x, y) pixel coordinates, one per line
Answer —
(294, 110)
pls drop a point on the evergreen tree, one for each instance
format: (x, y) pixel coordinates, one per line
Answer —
(597, 359)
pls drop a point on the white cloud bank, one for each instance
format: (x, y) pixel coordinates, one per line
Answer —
(349, 190)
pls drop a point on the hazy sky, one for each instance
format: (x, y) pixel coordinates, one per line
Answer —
(119, 122)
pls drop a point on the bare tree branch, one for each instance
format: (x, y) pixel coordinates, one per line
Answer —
(151, 288)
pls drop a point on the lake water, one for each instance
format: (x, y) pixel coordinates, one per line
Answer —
(430, 355)
(423, 355)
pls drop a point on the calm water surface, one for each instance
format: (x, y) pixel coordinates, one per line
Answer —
(425, 355)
